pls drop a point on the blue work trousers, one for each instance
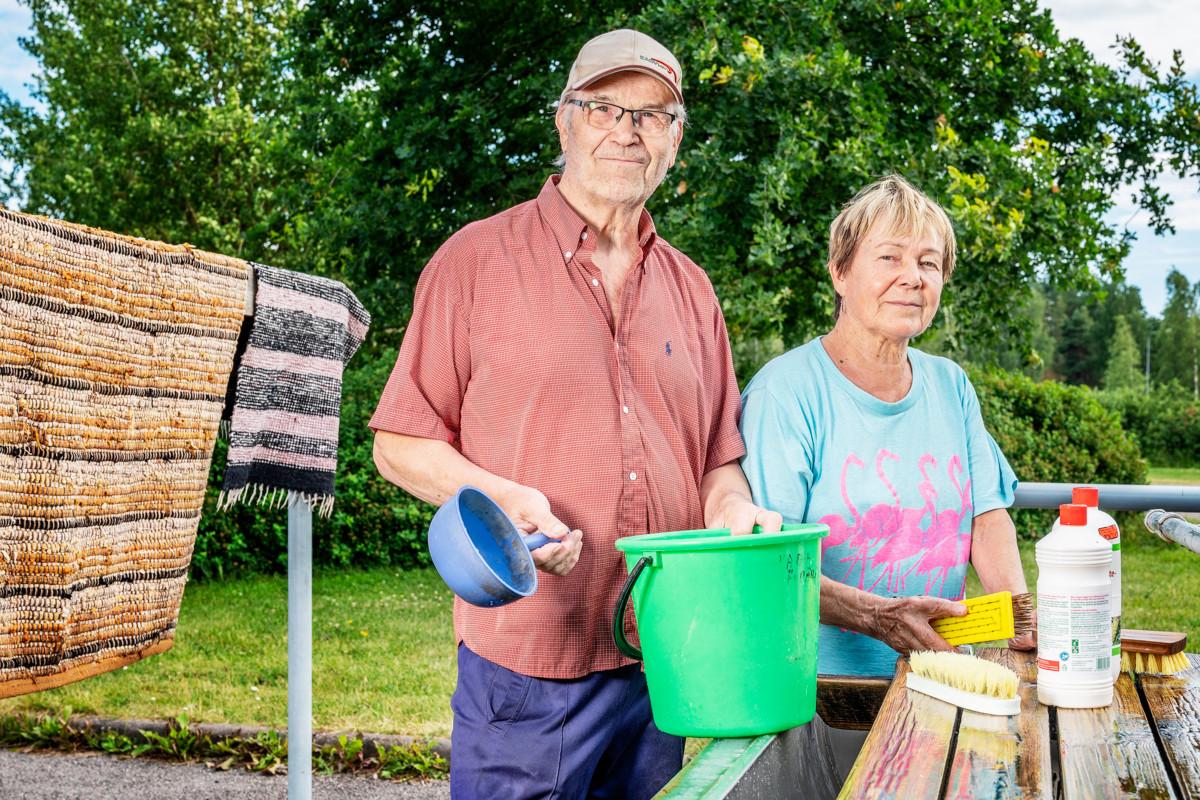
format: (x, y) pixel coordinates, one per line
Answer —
(517, 737)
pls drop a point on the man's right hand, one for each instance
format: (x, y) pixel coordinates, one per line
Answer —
(903, 623)
(530, 511)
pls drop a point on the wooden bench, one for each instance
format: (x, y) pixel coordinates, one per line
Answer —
(1146, 745)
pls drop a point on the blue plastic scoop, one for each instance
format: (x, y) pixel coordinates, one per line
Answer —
(479, 553)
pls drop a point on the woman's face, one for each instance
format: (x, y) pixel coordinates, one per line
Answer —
(894, 283)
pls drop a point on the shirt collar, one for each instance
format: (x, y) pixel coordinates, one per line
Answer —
(568, 227)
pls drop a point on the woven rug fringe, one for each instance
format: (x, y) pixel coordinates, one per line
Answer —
(274, 498)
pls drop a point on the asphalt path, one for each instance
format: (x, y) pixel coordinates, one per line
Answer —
(97, 776)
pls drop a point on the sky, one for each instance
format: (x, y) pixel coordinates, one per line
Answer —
(1160, 26)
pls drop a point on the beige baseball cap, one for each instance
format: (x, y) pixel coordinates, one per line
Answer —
(618, 51)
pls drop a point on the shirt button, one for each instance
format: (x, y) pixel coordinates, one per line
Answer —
(624, 409)
(633, 476)
(595, 281)
(583, 235)
(567, 255)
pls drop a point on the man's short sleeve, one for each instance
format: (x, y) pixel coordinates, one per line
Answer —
(724, 440)
(424, 395)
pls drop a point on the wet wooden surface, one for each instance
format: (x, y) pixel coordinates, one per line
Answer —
(1004, 756)
(1111, 752)
(905, 752)
(1146, 745)
(1174, 703)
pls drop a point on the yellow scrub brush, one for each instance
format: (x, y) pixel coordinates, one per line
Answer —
(966, 681)
(1153, 651)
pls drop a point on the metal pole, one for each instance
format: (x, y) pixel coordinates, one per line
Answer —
(1148, 337)
(1112, 495)
(1174, 528)
(299, 651)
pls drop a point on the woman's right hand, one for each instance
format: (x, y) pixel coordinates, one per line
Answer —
(902, 623)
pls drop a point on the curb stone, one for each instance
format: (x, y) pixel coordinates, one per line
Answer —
(372, 742)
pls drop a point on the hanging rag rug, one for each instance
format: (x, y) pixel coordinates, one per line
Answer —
(114, 357)
(284, 434)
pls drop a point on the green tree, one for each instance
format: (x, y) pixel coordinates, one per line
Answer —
(1077, 344)
(419, 118)
(1124, 360)
(1176, 348)
(352, 137)
(1021, 134)
(159, 119)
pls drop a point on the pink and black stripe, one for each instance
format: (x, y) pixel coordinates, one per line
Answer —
(284, 433)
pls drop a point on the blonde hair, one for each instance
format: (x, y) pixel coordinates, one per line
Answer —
(902, 208)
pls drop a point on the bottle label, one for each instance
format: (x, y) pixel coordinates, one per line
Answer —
(1110, 532)
(1075, 633)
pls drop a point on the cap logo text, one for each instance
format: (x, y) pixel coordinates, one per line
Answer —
(663, 66)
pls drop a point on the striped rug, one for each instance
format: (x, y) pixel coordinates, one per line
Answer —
(115, 354)
(284, 434)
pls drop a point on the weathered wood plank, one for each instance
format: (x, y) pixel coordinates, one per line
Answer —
(904, 757)
(850, 702)
(1174, 702)
(795, 763)
(1004, 756)
(1111, 752)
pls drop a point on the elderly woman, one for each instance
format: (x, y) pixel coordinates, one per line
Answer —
(884, 444)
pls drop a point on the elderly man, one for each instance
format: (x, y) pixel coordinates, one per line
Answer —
(569, 362)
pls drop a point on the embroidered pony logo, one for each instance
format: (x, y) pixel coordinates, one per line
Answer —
(668, 347)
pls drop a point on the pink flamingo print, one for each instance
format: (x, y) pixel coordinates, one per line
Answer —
(909, 539)
(945, 552)
(839, 531)
(878, 524)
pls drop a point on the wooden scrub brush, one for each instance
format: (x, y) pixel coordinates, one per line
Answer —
(1153, 651)
(966, 681)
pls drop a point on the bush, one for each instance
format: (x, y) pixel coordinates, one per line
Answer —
(1165, 422)
(1055, 433)
(373, 522)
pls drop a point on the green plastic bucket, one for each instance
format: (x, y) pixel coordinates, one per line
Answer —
(728, 627)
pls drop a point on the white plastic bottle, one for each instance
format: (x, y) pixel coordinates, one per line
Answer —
(1108, 529)
(1073, 590)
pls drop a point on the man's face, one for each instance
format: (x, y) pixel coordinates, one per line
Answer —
(626, 164)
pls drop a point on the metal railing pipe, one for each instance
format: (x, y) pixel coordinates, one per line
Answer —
(1114, 496)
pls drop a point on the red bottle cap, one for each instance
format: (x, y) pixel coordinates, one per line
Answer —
(1086, 496)
(1071, 514)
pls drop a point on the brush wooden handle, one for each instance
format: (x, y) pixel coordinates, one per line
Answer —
(1159, 643)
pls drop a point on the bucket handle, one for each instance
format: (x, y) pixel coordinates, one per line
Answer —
(618, 628)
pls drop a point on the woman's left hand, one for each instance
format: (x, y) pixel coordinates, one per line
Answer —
(1025, 641)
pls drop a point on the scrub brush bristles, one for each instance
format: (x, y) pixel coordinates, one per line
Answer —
(966, 681)
(1158, 652)
(1152, 663)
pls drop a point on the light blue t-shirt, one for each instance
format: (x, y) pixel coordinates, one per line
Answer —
(898, 484)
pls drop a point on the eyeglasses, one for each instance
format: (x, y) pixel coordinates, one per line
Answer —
(606, 116)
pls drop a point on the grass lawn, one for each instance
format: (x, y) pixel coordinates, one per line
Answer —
(1175, 475)
(383, 651)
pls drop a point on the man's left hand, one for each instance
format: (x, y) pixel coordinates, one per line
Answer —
(740, 516)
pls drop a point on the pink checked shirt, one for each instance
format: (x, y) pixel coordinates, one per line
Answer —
(513, 357)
